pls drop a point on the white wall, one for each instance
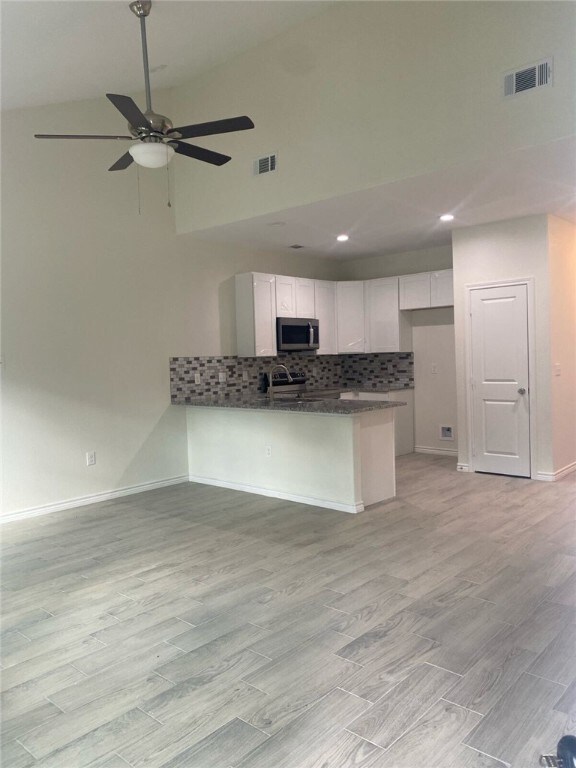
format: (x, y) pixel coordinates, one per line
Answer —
(562, 262)
(95, 300)
(507, 250)
(371, 92)
(406, 263)
(434, 393)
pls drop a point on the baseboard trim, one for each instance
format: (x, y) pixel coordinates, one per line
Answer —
(436, 451)
(551, 477)
(82, 501)
(312, 501)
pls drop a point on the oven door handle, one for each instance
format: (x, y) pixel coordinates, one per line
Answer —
(310, 334)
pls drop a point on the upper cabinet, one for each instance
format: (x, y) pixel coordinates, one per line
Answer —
(442, 288)
(415, 291)
(305, 302)
(350, 317)
(294, 297)
(285, 296)
(256, 314)
(426, 289)
(325, 312)
(387, 330)
(355, 316)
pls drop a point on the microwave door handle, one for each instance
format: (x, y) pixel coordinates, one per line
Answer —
(310, 334)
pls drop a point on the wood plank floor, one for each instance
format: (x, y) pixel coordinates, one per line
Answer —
(197, 627)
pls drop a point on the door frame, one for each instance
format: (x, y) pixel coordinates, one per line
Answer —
(529, 282)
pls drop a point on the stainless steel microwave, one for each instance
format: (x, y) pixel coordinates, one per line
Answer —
(297, 334)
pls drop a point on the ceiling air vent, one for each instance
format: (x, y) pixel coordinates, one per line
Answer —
(296, 246)
(265, 164)
(526, 79)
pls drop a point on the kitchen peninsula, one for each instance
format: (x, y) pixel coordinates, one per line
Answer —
(333, 453)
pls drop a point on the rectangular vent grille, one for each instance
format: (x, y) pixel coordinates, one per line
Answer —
(265, 164)
(527, 78)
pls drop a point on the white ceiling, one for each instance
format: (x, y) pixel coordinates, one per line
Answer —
(55, 51)
(403, 215)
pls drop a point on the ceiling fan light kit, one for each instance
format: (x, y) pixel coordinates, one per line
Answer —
(152, 155)
(157, 139)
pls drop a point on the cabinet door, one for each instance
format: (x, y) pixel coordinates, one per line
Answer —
(382, 315)
(415, 291)
(325, 312)
(285, 296)
(442, 288)
(264, 287)
(305, 297)
(350, 316)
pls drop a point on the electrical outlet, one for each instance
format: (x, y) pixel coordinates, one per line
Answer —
(434, 368)
(90, 458)
(222, 377)
(197, 378)
(557, 369)
(315, 371)
(268, 451)
(446, 433)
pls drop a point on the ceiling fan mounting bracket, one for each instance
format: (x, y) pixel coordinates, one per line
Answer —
(141, 8)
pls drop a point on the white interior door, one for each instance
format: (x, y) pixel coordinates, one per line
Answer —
(500, 396)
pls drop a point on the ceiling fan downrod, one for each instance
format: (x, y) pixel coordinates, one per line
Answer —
(141, 9)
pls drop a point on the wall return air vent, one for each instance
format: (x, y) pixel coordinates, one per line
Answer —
(265, 164)
(527, 78)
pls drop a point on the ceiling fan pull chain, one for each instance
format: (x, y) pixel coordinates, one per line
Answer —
(168, 183)
(138, 183)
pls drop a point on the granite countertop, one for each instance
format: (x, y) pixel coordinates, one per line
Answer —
(318, 401)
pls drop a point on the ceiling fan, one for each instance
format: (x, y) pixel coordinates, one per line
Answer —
(157, 139)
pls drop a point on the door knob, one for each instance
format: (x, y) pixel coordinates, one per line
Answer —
(521, 391)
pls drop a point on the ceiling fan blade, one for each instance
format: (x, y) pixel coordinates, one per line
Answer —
(122, 162)
(216, 126)
(128, 108)
(79, 136)
(199, 153)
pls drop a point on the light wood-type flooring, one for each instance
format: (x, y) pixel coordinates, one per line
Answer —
(197, 627)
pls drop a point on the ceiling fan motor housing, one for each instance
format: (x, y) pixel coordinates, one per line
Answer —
(158, 124)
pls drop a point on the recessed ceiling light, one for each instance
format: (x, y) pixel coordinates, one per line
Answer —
(447, 217)
(342, 238)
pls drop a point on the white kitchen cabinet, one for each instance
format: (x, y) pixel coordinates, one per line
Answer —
(427, 289)
(414, 291)
(256, 314)
(305, 304)
(387, 330)
(350, 317)
(442, 288)
(285, 296)
(325, 312)
(294, 296)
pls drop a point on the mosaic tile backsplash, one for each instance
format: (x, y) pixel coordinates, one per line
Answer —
(244, 375)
